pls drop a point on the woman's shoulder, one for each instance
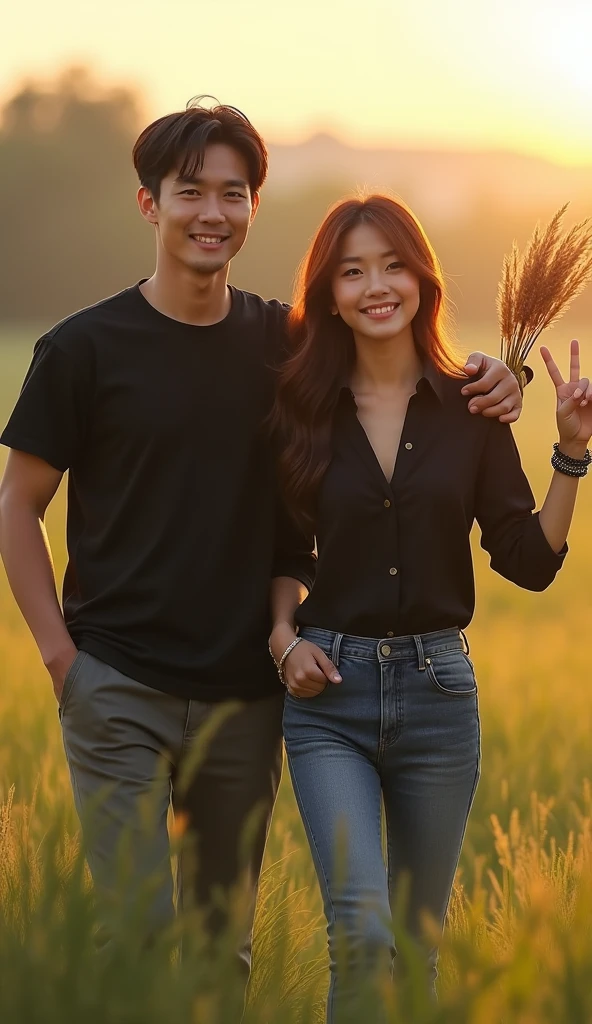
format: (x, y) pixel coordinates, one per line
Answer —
(456, 405)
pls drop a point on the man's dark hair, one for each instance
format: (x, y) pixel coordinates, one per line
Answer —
(178, 142)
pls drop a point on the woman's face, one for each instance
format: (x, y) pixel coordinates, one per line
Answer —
(373, 291)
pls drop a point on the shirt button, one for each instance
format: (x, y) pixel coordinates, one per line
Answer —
(390, 633)
(385, 649)
(409, 446)
(387, 503)
(393, 571)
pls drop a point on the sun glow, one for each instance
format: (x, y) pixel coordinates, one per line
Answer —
(514, 75)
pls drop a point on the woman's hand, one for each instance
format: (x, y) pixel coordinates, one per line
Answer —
(574, 404)
(308, 670)
(496, 392)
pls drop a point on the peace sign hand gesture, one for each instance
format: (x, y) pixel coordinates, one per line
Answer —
(574, 404)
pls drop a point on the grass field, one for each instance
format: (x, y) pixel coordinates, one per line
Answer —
(519, 943)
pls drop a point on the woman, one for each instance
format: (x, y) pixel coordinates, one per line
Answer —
(382, 459)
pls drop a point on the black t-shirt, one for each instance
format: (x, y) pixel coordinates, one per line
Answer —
(173, 527)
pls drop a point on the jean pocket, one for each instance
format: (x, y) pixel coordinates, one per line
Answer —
(315, 696)
(71, 676)
(452, 673)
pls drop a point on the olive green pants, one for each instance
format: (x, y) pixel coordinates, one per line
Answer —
(133, 752)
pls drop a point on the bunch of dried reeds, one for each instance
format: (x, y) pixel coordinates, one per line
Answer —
(538, 285)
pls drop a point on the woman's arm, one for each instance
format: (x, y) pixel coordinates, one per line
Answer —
(574, 422)
(286, 595)
(528, 548)
(307, 669)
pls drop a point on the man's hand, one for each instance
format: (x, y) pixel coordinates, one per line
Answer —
(59, 666)
(497, 388)
(307, 670)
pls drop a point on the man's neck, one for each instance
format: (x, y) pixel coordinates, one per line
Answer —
(197, 299)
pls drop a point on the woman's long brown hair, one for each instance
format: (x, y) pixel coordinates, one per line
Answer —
(322, 345)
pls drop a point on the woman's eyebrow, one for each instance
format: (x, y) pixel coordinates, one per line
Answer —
(359, 259)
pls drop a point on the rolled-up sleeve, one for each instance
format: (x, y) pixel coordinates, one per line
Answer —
(510, 528)
(294, 553)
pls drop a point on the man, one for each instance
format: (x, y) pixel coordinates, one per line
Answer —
(155, 401)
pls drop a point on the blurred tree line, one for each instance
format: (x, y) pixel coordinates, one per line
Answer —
(71, 232)
(69, 228)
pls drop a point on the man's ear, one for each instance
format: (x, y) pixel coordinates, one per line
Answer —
(148, 205)
(254, 205)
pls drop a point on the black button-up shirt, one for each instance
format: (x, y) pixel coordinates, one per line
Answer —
(395, 558)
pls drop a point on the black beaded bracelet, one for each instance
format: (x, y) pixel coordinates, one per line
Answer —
(569, 466)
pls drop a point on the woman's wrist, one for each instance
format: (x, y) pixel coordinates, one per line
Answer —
(282, 635)
(573, 449)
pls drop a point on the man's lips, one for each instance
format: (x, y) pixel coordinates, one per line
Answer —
(381, 312)
(209, 241)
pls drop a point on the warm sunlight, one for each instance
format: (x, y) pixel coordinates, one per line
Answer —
(516, 75)
(329, 556)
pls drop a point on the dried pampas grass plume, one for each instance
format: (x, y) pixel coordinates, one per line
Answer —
(538, 286)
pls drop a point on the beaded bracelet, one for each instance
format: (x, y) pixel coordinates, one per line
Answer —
(568, 465)
(280, 664)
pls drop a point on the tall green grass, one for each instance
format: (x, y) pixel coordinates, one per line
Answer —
(518, 948)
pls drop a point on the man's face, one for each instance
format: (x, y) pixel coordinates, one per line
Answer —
(203, 222)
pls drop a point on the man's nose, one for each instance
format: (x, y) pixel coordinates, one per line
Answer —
(211, 212)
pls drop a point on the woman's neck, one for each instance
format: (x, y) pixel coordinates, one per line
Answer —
(386, 366)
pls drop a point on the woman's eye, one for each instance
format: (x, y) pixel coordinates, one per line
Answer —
(397, 265)
(351, 272)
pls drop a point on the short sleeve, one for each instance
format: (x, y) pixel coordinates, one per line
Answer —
(50, 417)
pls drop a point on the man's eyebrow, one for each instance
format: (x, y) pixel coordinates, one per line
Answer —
(358, 259)
(231, 183)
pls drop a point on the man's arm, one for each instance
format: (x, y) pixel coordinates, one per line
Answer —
(27, 488)
(496, 392)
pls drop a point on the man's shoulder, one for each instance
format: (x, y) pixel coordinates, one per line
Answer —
(268, 318)
(273, 310)
(83, 323)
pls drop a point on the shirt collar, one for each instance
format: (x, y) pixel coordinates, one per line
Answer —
(430, 377)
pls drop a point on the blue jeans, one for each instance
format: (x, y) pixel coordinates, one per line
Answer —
(402, 730)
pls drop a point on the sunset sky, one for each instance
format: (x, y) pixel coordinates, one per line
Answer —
(515, 74)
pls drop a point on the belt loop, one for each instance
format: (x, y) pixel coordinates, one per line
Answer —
(335, 649)
(466, 642)
(420, 653)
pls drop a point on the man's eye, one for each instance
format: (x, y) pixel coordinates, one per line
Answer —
(235, 195)
(189, 192)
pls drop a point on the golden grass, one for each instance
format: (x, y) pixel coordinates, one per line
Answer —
(538, 286)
